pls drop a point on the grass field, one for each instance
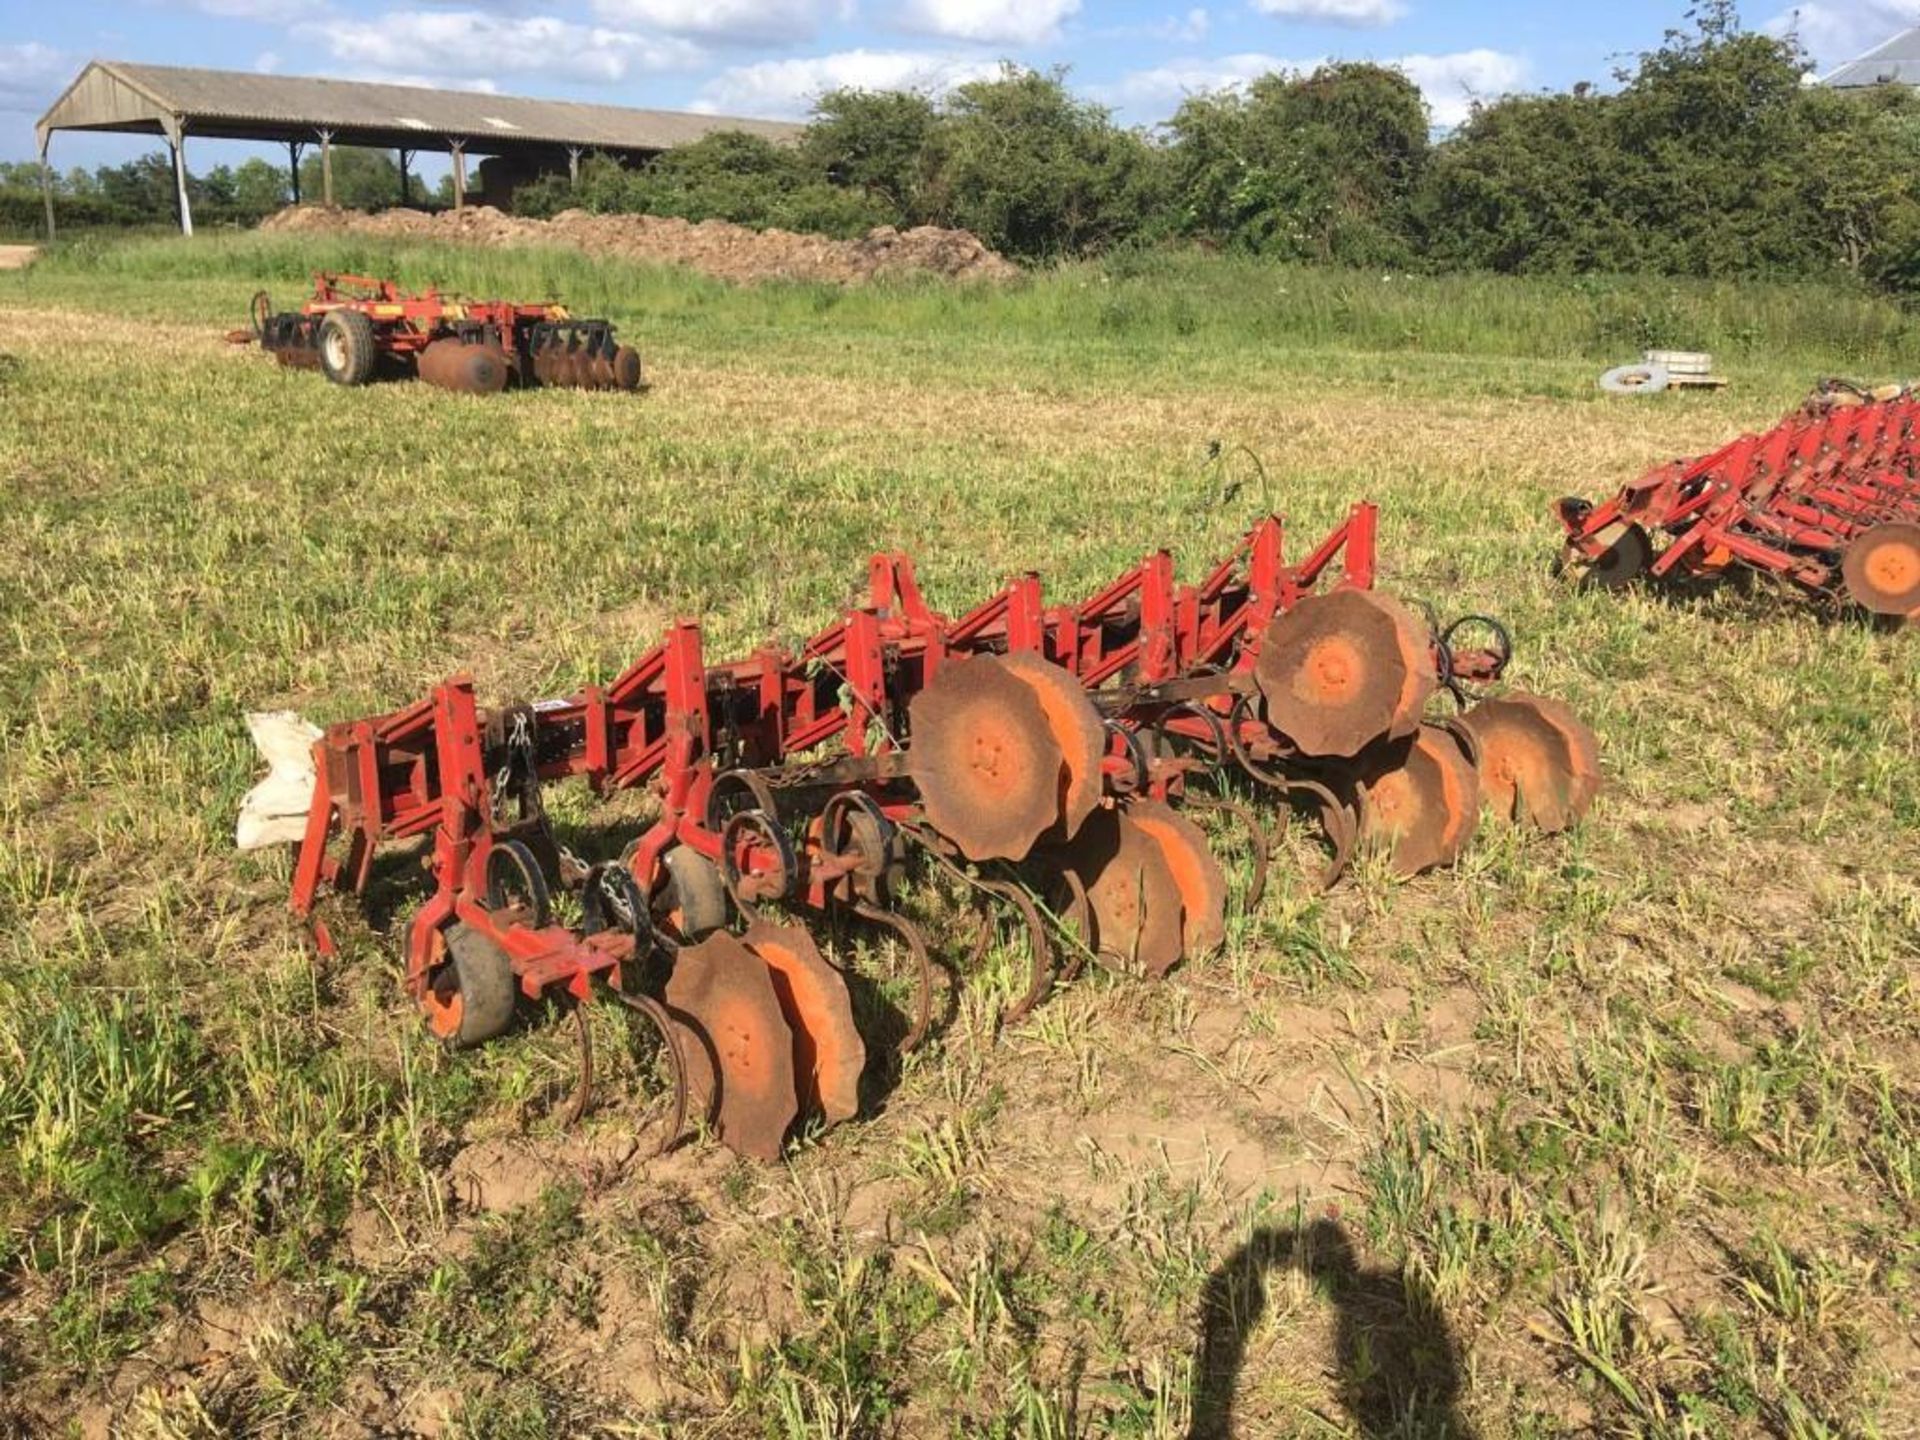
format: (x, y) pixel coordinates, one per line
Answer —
(1615, 1133)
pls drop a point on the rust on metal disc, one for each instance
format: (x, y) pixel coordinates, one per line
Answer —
(1342, 670)
(1425, 804)
(988, 769)
(1202, 883)
(828, 1053)
(722, 992)
(1075, 726)
(1131, 892)
(1536, 760)
(1882, 569)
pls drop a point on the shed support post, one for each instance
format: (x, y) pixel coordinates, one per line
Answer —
(179, 140)
(46, 188)
(459, 149)
(406, 198)
(294, 147)
(326, 168)
(573, 166)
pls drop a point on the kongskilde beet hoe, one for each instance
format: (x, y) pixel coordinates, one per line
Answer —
(1046, 757)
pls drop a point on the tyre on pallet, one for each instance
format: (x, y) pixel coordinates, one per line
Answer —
(470, 999)
(348, 348)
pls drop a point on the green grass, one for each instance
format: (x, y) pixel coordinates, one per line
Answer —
(1620, 1126)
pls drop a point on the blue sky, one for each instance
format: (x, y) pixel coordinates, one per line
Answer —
(768, 57)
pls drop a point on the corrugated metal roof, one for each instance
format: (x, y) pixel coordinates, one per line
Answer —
(235, 102)
(1895, 63)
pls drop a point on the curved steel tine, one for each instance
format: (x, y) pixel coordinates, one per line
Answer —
(1080, 915)
(583, 1088)
(1040, 980)
(1257, 839)
(656, 1013)
(1337, 819)
(923, 962)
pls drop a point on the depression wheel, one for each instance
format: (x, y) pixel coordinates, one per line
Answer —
(1627, 556)
(1423, 804)
(1342, 670)
(1882, 569)
(740, 1068)
(690, 897)
(1536, 760)
(470, 997)
(990, 773)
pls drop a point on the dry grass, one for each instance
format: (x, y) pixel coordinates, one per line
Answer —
(1617, 1133)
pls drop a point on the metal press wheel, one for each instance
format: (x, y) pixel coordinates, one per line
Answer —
(470, 998)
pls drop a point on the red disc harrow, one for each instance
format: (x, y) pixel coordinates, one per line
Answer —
(355, 328)
(1048, 757)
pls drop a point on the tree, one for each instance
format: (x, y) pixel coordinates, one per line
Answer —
(1307, 167)
(259, 188)
(876, 142)
(362, 179)
(1035, 172)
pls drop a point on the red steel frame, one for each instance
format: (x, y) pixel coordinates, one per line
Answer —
(409, 323)
(1783, 501)
(675, 723)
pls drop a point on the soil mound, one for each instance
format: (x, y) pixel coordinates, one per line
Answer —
(713, 247)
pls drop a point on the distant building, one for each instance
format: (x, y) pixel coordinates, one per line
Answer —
(522, 138)
(1895, 63)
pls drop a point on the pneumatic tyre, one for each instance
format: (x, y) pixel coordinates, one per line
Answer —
(348, 349)
(471, 998)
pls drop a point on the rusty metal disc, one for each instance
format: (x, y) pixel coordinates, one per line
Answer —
(1341, 670)
(1076, 727)
(1532, 760)
(1424, 803)
(1131, 892)
(1583, 747)
(989, 771)
(1882, 568)
(740, 1047)
(828, 1054)
(1203, 884)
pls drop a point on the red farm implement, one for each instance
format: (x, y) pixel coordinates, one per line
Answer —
(1042, 760)
(1828, 501)
(355, 328)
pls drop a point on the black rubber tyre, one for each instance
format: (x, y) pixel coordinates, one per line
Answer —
(693, 898)
(483, 991)
(348, 350)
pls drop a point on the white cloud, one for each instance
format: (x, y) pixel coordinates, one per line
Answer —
(1450, 83)
(1835, 34)
(469, 44)
(32, 76)
(733, 21)
(786, 89)
(987, 22)
(1334, 12)
(273, 12)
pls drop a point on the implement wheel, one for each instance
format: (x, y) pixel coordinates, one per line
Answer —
(1882, 569)
(348, 348)
(470, 998)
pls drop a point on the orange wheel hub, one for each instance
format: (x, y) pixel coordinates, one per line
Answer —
(1882, 569)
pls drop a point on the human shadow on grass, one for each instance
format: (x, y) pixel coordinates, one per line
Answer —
(1397, 1365)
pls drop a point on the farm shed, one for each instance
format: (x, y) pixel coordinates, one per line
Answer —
(533, 136)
